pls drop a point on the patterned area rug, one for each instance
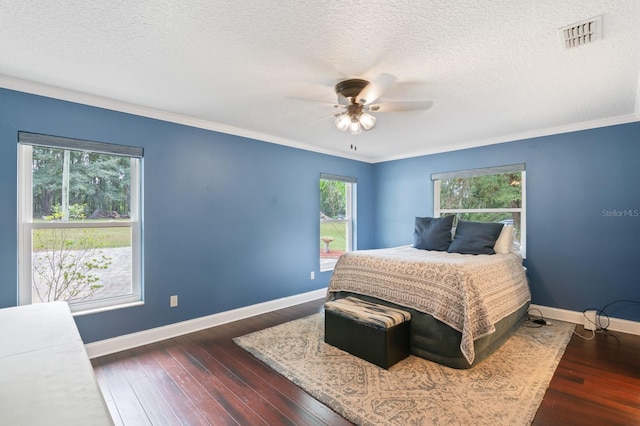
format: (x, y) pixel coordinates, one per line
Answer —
(504, 389)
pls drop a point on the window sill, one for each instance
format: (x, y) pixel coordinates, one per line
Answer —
(106, 308)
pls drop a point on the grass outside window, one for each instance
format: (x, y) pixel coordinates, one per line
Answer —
(337, 231)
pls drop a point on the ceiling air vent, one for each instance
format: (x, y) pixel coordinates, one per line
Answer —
(582, 33)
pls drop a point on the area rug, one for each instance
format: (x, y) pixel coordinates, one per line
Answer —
(505, 389)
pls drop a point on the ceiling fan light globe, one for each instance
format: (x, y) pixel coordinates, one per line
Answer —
(355, 127)
(343, 121)
(367, 120)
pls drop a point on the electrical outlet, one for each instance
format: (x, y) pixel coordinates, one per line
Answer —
(313, 275)
(173, 301)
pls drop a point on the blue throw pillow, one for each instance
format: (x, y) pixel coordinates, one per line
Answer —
(433, 233)
(475, 237)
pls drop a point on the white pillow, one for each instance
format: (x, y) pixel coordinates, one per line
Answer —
(504, 243)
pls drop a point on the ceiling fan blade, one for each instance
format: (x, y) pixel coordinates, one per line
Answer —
(401, 106)
(376, 88)
(320, 119)
(342, 101)
(312, 92)
(310, 101)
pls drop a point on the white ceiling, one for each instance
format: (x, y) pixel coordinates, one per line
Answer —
(495, 70)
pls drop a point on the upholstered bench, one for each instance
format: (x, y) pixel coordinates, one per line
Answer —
(376, 333)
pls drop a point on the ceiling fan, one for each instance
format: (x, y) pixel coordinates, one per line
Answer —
(357, 97)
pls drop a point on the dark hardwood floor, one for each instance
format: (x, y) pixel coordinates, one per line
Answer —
(596, 383)
(205, 379)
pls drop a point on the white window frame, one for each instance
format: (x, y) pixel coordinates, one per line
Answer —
(437, 211)
(349, 220)
(26, 224)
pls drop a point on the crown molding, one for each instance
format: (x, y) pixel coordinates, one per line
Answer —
(115, 105)
(637, 110)
(585, 125)
(129, 108)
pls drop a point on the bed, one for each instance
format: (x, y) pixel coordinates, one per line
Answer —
(463, 306)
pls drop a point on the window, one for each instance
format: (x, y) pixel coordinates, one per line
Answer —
(493, 194)
(79, 222)
(337, 212)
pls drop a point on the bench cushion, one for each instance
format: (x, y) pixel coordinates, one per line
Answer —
(377, 316)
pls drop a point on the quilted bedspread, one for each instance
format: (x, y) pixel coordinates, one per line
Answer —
(470, 293)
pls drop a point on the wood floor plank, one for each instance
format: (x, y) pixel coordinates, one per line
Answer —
(231, 383)
(106, 391)
(205, 378)
(236, 407)
(129, 408)
(185, 411)
(596, 382)
(289, 389)
(243, 364)
(152, 401)
(210, 408)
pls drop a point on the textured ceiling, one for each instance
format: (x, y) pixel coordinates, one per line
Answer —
(496, 71)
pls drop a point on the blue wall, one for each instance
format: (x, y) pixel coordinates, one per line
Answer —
(583, 211)
(231, 222)
(228, 221)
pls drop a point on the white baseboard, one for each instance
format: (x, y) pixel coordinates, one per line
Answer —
(616, 324)
(128, 341)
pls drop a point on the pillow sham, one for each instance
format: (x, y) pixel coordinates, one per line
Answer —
(475, 237)
(432, 233)
(504, 243)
